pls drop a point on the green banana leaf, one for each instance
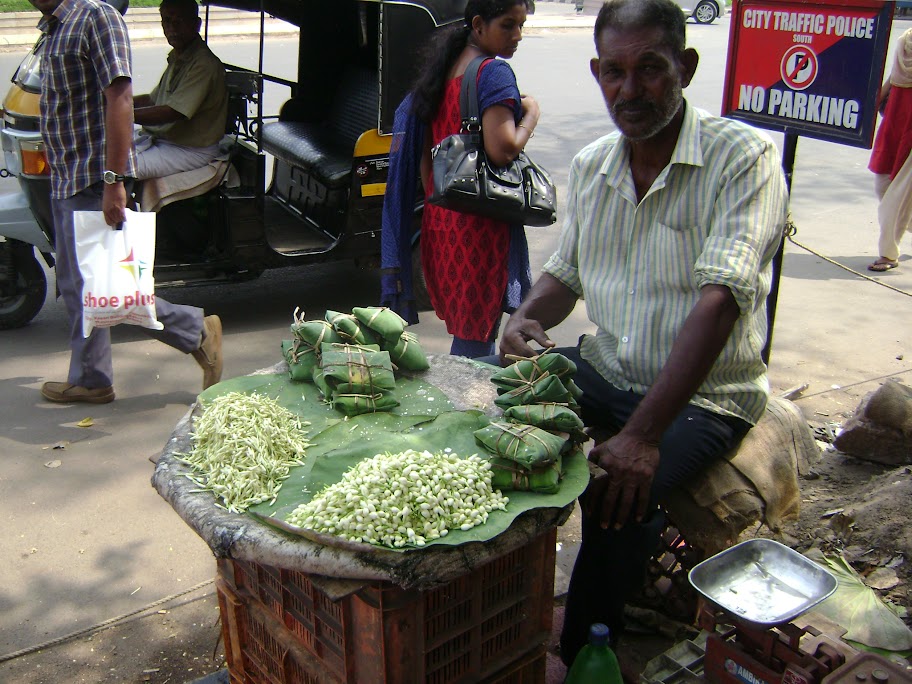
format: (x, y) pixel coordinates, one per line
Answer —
(425, 419)
(336, 449)
(415, 397)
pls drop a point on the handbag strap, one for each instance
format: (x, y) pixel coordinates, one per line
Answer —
(468, 100)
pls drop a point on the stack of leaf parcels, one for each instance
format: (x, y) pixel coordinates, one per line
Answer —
(364, 348)
(526, 458)
(543, 379)
(356, 378)
(539, 399)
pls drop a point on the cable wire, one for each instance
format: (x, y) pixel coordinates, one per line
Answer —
(791, 230)
(101, 625)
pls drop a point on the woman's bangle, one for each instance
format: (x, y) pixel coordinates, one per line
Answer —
(531, 132)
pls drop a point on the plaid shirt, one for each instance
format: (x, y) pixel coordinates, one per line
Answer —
(85, 49)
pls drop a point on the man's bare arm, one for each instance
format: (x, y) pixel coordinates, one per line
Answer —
(631, 457)
(156, 115)
(118, 142)
(548, 303)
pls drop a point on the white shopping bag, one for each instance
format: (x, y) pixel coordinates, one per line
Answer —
(116, 266)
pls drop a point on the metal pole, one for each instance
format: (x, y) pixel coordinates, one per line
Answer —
(788, 166)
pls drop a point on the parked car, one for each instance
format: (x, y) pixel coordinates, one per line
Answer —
(703, 11)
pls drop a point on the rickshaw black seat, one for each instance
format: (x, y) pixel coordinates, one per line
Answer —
(325, 149)
(311, 147)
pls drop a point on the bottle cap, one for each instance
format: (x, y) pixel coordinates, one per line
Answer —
(598, 634)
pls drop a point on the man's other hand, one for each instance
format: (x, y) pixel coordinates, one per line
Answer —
(113, 204)
(623, 491)
(518, 332)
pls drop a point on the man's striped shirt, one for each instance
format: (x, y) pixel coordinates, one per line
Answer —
(714, 215)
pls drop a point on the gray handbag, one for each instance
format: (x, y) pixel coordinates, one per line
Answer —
(464, 181)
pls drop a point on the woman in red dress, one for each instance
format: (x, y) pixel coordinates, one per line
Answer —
(891, 153)
(475, 268)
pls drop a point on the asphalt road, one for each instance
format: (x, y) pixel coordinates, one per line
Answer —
(87, 538)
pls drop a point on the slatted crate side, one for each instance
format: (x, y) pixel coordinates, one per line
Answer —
(260, 649)
(320, 623)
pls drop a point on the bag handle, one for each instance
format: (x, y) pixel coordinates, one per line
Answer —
(468, 101)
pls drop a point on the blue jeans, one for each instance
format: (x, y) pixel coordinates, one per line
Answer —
(611, 564)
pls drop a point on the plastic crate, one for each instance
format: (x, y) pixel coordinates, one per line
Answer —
(491, 625)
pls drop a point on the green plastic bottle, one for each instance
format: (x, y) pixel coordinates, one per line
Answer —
(596, 662)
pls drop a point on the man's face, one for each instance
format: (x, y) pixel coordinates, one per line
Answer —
(642, 80)
(179, 26)
(45, 6)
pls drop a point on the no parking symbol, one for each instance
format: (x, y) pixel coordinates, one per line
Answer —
(799, 67)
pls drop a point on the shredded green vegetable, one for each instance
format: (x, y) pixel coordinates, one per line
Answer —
(243, 447)
(403, 499)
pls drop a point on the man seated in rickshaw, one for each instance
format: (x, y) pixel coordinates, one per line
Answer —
(184, 116)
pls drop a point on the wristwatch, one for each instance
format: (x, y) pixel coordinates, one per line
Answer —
(110, 178)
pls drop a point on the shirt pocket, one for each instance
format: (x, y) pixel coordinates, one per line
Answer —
(672, 251)
(64, 73)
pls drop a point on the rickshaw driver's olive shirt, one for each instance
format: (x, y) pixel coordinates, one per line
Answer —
(714, 215)
(194, 85)
(86, 49)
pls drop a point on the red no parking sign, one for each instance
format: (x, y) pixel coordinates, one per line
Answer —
(808, 67)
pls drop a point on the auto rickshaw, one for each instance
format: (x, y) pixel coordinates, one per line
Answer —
(328, 144)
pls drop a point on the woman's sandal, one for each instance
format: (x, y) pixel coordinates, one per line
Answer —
(883, 264)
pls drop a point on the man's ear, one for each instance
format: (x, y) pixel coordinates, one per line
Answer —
(594, 67)
(689, 61)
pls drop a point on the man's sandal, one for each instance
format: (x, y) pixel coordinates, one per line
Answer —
(883, 264)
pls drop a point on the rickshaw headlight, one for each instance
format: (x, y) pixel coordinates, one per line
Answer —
(34, 159)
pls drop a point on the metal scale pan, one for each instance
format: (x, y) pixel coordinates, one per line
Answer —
(762, 582)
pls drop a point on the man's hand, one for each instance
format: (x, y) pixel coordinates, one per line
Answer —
(518, 332)
(630, 465)
(113, 203)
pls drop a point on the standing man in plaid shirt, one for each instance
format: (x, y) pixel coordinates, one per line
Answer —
(87, 127)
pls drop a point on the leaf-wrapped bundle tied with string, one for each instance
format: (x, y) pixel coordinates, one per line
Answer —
(302, 353)
(404, 499)
(527, 370)
(356, 379)
(526, 458)
(408, 354)
(350, 329)
(547, 389)
(547, 416)
(382, 321)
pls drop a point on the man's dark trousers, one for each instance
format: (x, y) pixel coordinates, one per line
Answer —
(611, 564)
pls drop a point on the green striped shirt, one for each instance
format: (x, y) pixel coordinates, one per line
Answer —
(714, 216)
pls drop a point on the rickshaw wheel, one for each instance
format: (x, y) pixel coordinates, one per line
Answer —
(23, 285)
(419, 286)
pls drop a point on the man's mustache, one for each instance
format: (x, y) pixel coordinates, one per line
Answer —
(639, 104)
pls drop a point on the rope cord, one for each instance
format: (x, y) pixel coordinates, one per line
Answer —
(100, 625)
(791, 230)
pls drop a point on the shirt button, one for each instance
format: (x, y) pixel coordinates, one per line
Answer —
(629, 291)
(624, 339)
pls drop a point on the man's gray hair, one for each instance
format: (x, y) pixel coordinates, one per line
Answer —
(640, 14)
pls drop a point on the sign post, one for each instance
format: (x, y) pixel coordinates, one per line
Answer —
(806, 67)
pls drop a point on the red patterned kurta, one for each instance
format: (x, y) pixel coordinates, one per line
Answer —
(464, 256)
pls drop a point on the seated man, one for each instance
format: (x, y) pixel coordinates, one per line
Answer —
(671, 226)
(184, 116)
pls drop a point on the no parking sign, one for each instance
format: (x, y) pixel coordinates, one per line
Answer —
(808, 67)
